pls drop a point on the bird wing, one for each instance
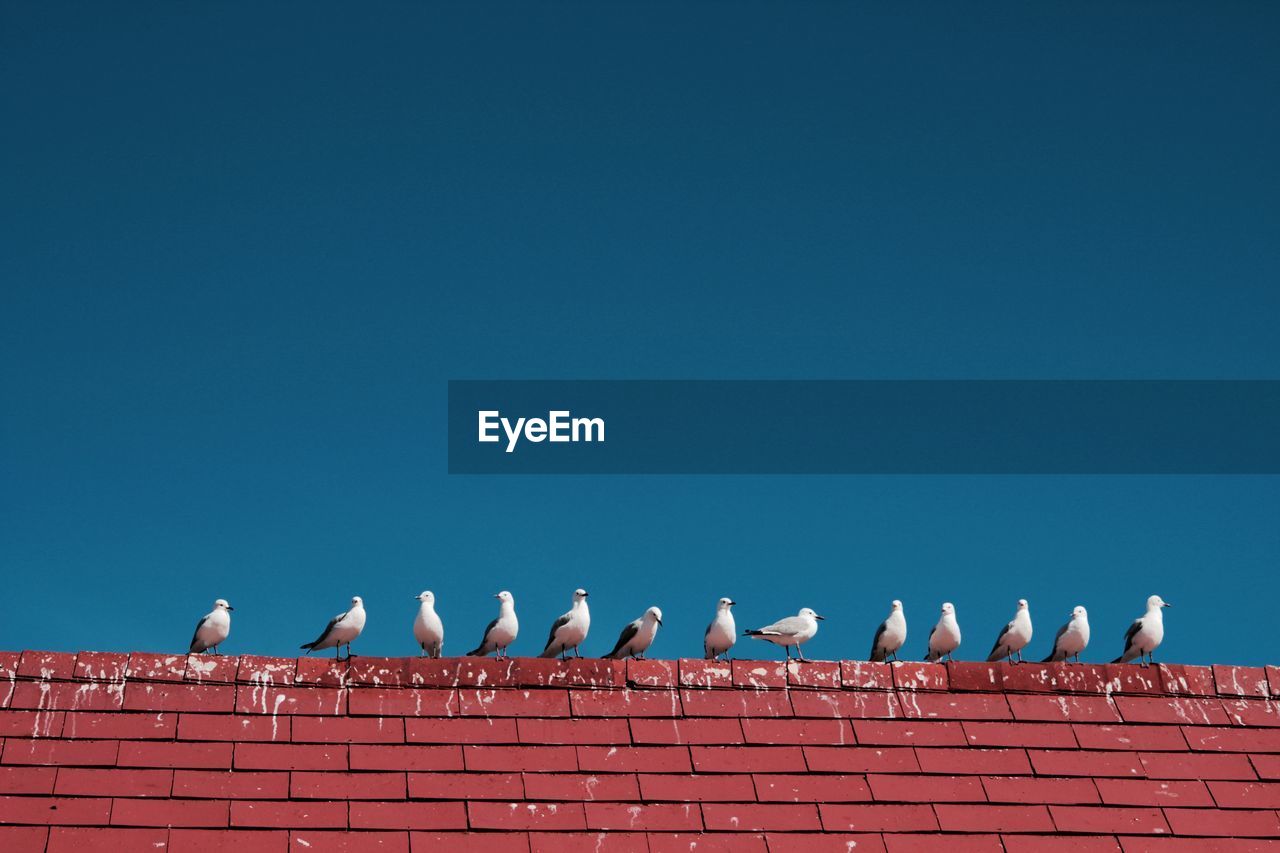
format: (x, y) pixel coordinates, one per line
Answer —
(999, 637)
(484, 639)
(1133, 630)
(196, 635)
(625, 637)
(784, 627)
(1058, 636)
(932, 631)
(556, 626)
(327, 628)
(875, 641)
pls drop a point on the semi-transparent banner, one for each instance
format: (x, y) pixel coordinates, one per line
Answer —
(864, 427)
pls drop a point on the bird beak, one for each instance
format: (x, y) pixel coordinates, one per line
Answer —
(229, 607)
(1166, 604)
(659, 621)
(819, 618)
(495, 595)
(733, 604)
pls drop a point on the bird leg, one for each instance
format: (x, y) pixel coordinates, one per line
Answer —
(799, 653)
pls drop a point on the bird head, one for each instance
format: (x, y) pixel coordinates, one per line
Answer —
(579, 595)
(948, 609)
(1079, 612)
(725, 603)
(357, 601)
(221, 604)
(1155, 602)
(895, 605)
(805, 611)
(655, 614)
(426, 596)
(1022, 604)
(504, 596)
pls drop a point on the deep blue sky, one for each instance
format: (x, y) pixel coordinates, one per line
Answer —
(245, 247)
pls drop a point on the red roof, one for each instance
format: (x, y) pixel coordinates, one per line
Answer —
(105, 751)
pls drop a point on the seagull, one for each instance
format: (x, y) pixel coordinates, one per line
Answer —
(1146, 633)
(636, 638)
(213, 629)
(501, 632)
(340, 631)
(428, 630)
(1013, 637)
(722, 633)
(891, 634)
(1071, 637)
(791, 631)
(945, 636)
(569, 630)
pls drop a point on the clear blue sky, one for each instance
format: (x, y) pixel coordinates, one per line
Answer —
(245, 247)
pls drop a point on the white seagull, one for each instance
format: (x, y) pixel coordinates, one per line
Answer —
(891, 634)
(340, 631)
(569, 630)
(428, 630)
(791, 631)
(501, 632)
(945, 636)
(1013, 638)
(722, 633)
(1146, 633)
(1071, 637)
(636, 638)
(213, 629)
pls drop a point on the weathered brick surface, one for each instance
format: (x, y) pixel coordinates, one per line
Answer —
(110, 751)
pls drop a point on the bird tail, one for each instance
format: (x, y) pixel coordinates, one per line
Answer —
(753, 632)
(1119, 659)
(878, 655)
(548, 653)
(1050, 659)
(308, 647)
(478, 652)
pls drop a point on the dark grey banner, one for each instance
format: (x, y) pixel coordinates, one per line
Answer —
(864, 427)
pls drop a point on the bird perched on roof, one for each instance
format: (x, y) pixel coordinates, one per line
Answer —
(569, 630)
(428, 630)
(212, 629)
(791, 631)
(340, 631)
(1071, 638)
(501, 632)
(1146, 633)
(636, 638)
(1013, 638)
(722, 633)
(891, 634)
(945, 636)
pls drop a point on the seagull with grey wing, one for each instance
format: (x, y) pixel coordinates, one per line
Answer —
(428, 629)
(1013, 637)
(501, 632)
(944, 639)
(1071, 638)
(569, 630)
(891, 634)
(722, 633)
(340, 631)
(1145, 634)
(636, 638)
(791, 631)
(213, 629)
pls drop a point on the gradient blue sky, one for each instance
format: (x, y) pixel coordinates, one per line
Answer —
(246, 246)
